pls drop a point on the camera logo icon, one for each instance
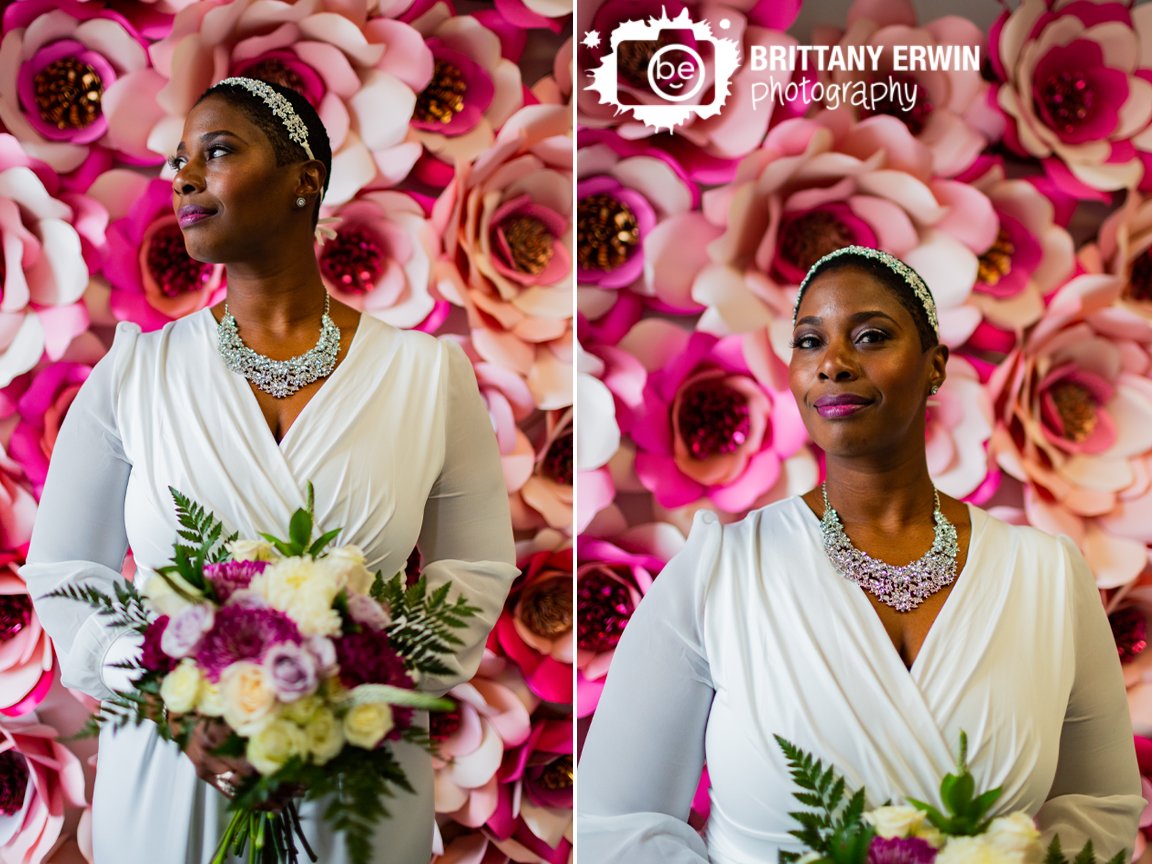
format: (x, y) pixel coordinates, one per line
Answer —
(664, 71)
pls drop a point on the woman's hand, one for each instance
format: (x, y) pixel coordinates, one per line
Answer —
(224, 773)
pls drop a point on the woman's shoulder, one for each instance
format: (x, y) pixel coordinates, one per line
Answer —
(382, 336)
(785, 518)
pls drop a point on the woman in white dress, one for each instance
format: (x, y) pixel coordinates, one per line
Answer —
(388, 425)
(789, 622)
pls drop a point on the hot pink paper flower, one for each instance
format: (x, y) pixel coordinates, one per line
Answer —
(492, 715)
(535, 630)
(27, 662)
(706, 146)
(41, 777)
(1075, 90)
(473, 90)
(152, 278)
(57, 60)
(42, 266)
(951, 115)
(781, 213)
(1073, 410)
(507, 243)
(717, 421)
(345, 63)
(545, 498)
(1124, 249)
(41, 409)
(1130, 614)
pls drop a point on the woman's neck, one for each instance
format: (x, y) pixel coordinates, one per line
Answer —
(888, 499)
(276, 301)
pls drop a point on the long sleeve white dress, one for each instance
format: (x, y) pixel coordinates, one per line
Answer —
(401, 452)
(750, 632)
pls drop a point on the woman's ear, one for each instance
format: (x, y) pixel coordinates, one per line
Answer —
(939, 364)
(311, 180)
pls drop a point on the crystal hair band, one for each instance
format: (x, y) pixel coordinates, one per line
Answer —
(892, 263)
(279, 106)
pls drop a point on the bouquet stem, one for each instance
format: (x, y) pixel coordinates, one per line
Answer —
(270, 837)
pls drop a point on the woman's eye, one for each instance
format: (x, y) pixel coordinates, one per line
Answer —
(804, 342)
(176, 162)
(872, 336)
(214, 152)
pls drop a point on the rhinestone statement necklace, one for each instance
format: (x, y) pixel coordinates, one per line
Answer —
(903, 588)
(279, 378)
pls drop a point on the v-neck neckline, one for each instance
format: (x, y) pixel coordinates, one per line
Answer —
(253, 405)
(858, 596)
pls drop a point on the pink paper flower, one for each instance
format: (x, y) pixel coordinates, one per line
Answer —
(717, 419)
(782, 213)
(152, 278)
(1074, 87)
(959, 428)
(42, 265)
(17, 506)
(57, 60)
(1073, 410)
(535, 630)
(951, 115)
(1130, 614)
(473, 90)
(41, 778)
(507, 243)
(27, 662)
(348, 65)
(492, 715)
(545, 498)
(41, 409)
(705, 146)
(1124, 249)
(381, 259)
(535, 14)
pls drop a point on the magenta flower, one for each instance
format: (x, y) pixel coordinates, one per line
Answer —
(710, 426)
(243, 633)
(27, 662)
(152, 657)
(228, 577)
(367, 657)
(535, 14)
(61, 58)
(535, 629)
(900, 850)
(41, 778)
(1074, 88)
(153, 280)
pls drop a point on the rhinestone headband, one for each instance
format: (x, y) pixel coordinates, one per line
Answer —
(279, 106)
(892, 263)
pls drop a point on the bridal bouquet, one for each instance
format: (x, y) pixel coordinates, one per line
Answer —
(291, 658)
(839, 830)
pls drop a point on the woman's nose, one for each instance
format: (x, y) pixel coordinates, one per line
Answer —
(837, 363)
(187, 181)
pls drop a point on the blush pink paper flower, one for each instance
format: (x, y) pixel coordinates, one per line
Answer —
(717, 419)
(1073, 411)
(1073, 83)
(535, 629)
(782, 212)
(17, 506)
(957, 436)
(151, 276)
(492, 716)
(27, 662)
(545, 498)
(41, 409)
(1124, 249)
(42, 778)
(347, 64)
(507, 241)
(950, 115)
(535, 14)
(380, 260)
(42, 265)
(57, 60)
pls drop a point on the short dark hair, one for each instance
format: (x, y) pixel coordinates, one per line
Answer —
(889, 278)
(287, 151)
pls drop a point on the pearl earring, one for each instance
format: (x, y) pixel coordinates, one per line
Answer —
(301, 201)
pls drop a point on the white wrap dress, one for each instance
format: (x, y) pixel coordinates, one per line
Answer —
(400, 450)
(750, 632)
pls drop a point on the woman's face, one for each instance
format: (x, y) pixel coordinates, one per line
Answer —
(230, 196)
(857, 371)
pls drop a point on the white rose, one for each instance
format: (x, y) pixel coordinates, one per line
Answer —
(896, 821)
(253, 550)
(311, 609)
(248, 699)
(350, 560)
(325, 736)
(180, 688)
(271, 748)
(211, 702)
(366, 725)
(162, 597)
(1017, 832)
(975, 850)
(301, 710)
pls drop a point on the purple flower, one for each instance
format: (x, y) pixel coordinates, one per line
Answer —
(184, 632)
(243, 633)
(323, 650)
(228, 577)
(154, 659)
(367, 612)
(291, 671)
(900, 850)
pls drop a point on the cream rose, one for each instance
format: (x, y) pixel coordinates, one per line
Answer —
(162, 597)
(271, 748)
(896, 820)
(1017, 832)
(180, 689)
(304, 589)
(301, 710)
(350, 562)
(976, 850)
(253, 550)
(366, 725)
(248, 699)
(211, 702)
(325, 736)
